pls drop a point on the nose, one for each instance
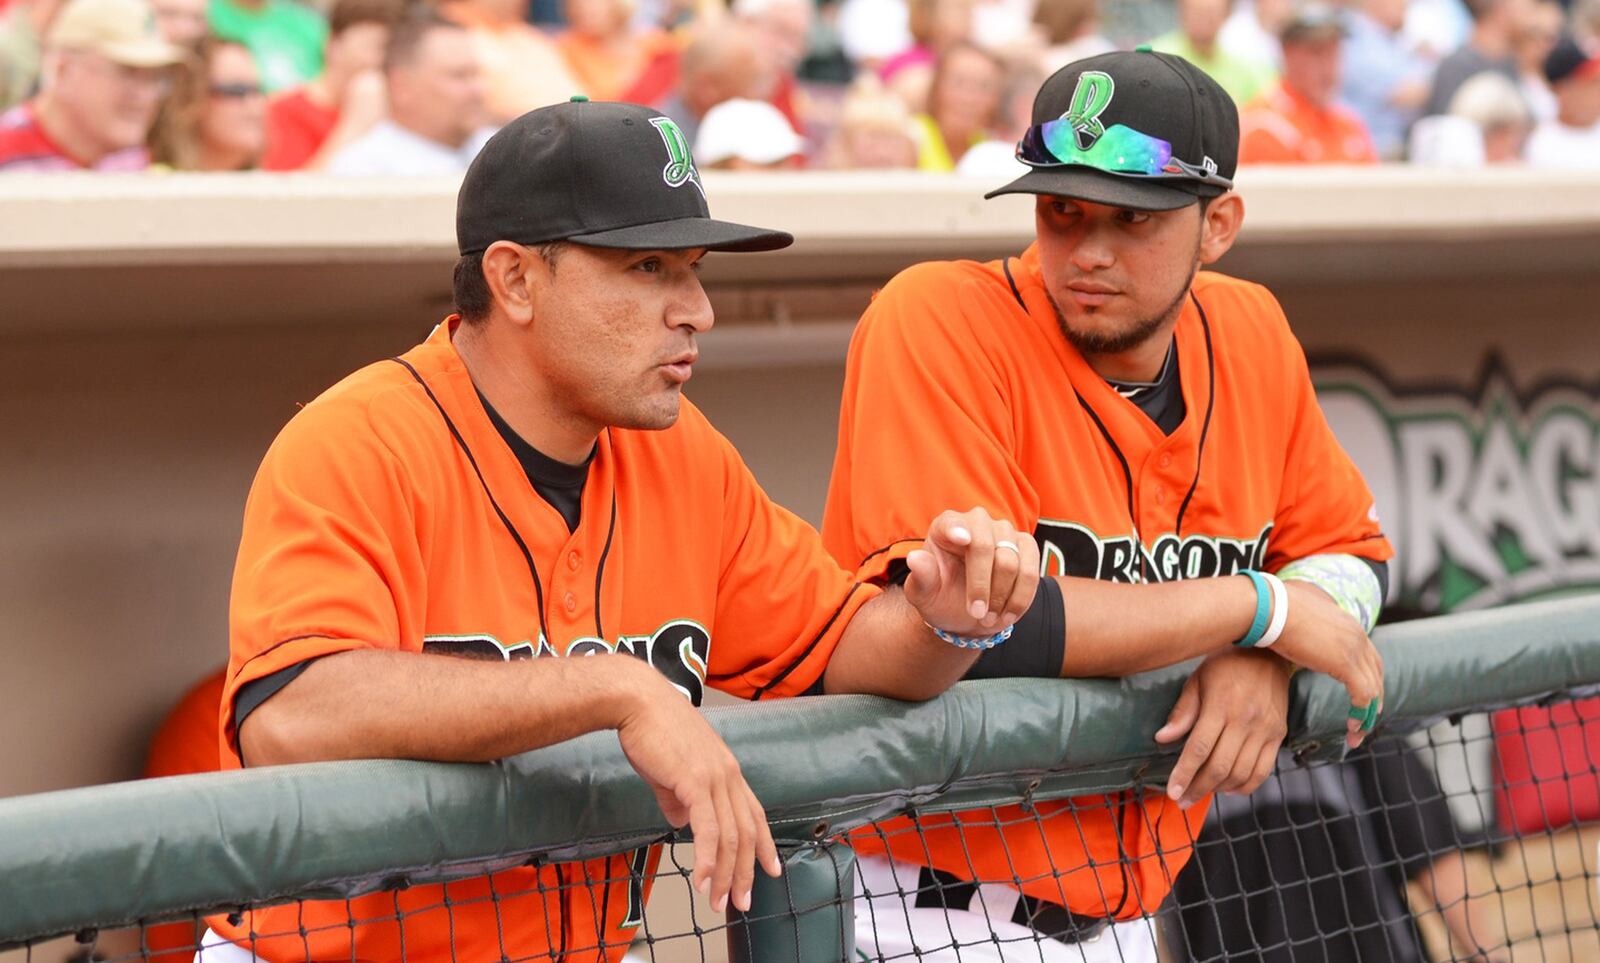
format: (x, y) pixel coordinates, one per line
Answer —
(1093, 250)
(692, 307)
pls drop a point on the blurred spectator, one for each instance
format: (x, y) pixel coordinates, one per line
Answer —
(1003, 25)
(522, 68)
(1488, 123)
(22, 28)
(997, 157)
(285, 37)
(1495, 24)
(1572, 139)
(1536, 37)
(104, 71)
(308, 125)
(436, 104)
(1298, 121)
(1071, 30)
(216, 116)
(1195, 40)
(1251, 31)
(746, 135)
(1384, 80)
(936, 26)
(874, 132)
(182, 22)
(963, 106)
(784, 29)
(604, 51)
(722, 62)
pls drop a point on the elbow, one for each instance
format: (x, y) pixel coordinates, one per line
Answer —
(269, 737)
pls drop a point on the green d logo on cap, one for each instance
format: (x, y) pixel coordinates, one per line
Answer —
(680, 168)
(1089, 100)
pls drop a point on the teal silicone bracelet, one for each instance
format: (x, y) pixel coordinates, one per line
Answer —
(1258, 628)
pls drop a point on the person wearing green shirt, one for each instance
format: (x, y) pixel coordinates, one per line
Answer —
(1195, 40)
(285, 37)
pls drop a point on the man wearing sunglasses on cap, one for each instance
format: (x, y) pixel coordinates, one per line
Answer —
(1156, 427)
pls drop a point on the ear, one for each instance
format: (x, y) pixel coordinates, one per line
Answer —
(516, 277)
(1222, 220)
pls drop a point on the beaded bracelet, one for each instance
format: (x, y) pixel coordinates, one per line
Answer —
(983, 642)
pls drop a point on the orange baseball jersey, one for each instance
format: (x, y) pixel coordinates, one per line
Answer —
(960, 389)
(391, 514)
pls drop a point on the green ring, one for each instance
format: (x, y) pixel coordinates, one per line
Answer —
(1368, 717)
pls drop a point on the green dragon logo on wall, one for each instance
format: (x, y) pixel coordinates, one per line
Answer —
(1489, 494)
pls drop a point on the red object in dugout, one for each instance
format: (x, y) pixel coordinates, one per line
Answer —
(1547, 766)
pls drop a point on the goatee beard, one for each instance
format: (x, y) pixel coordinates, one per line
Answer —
(1092, 343)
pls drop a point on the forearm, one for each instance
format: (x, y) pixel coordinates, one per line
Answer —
(1115, 629)
(368, 704)
(888, 650)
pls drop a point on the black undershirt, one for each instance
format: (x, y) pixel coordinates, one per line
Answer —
(557, 482)
(1161, 399)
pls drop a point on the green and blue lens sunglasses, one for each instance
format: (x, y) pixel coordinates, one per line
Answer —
(1119, 150)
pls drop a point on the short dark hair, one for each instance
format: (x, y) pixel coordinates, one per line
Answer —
(472, 296)
(347, 13)
(407, 34)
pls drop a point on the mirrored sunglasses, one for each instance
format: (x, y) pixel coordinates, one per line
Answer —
(1120, 150)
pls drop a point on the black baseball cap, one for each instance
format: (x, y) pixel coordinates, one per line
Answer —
(1569, 59)
(1150, 98)
(602, 174)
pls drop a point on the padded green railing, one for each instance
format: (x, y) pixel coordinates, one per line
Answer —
(109, 856)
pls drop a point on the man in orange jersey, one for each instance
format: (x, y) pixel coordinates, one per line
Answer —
(1155, 426)
(1299, 120)
(527, 484)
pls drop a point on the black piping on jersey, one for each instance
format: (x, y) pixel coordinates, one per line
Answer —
(605, 553)
(1006, 267)
(810, 647)
(527, 556)
(1211, 403)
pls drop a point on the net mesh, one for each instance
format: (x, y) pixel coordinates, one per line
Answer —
(1473, 839)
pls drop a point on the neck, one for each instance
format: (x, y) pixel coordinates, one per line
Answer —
(1206, 50)
(80, 145)
(527, 404)
(1490, 40)
(1139, 364)
(214, 157)
(442, 138)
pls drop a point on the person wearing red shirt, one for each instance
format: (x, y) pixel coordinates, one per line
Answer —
(309, 124)
(1298, 121)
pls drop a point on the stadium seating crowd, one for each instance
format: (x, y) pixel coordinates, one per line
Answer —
(412, 86)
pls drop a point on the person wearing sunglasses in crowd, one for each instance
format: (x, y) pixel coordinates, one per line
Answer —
(216, 117)
(1156, 427)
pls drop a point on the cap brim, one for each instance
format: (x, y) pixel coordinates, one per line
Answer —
(1088, 184)
(687, 232)
(150, 53)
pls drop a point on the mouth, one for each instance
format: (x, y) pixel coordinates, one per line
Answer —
(678, 370)
(1091, 294)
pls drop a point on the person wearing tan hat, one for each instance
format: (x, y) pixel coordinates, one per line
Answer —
(104, 73)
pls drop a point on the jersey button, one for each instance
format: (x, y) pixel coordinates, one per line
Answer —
(573, 561)
(1161, 497)
(1166, 459)
(571, 602)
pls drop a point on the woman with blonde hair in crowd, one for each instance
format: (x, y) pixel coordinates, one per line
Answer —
(963, 106)
(874, 132)
(215, 118)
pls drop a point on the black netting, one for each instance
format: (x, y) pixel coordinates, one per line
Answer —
(1470, 840)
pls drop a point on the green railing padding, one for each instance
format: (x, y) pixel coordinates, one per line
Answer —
(108, 856)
